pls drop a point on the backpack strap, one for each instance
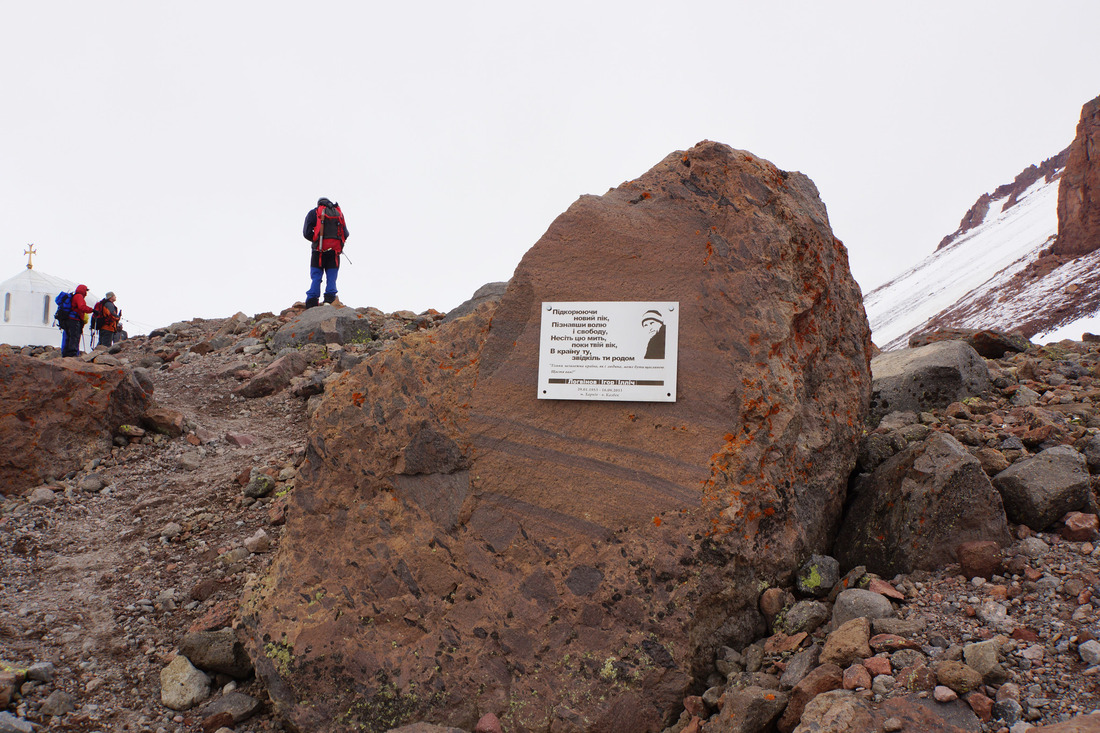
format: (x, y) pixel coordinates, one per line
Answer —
(319, 227)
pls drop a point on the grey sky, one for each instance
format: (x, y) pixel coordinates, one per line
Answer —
(169, 151)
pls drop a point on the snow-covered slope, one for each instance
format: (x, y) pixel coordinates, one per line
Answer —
(978, 261)
(997, 273)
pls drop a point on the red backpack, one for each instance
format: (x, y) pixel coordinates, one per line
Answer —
(330, 225)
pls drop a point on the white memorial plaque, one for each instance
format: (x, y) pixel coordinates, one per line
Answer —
(608, 350)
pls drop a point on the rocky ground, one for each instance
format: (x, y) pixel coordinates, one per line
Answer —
(105, 571)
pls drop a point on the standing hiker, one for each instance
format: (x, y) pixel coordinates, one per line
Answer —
(327, 231)
(70, 317)
(105, 320)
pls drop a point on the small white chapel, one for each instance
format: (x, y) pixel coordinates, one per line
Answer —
(28, 306)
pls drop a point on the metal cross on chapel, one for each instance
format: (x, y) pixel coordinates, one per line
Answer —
(30, 252)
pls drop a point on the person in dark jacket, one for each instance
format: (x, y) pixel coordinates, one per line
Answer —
(73, 324)
(108, 325)
(326, 229)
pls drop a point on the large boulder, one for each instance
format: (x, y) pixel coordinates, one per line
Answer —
(457, 546)
(916, 508)
(325, 324)
(57, 415)
(914, 380)
(1079, 188)
(988, 342)
(1040, 490)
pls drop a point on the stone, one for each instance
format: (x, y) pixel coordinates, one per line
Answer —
(927, 377)
(1080, 527)
(981, 705)
(259, 485)
(848, 644)
(917, 507)
(275, 377)
(888, 643)
(482, 504)
(836, 711)
(259, 541)
(1079, 188)
(237, 705)
(817, 576)
(857, 602)
(58, 703)
(325, 324)
(916, 678)
(772, 601)
(217, 721)
(747, 710)
(878, 666)
(164, 420)
(799, 665)
(131, 431)
(903, 658)
(942, 693)
(7, 688)
(55, 416)
(42, 496)
(856, 677)
(958, 676)
(488, 723)
(182, 686)
(241, 440)
(804, 616)
(980, 559)
(823, 679)
(217, 651)
(1007, 711)
(993, 461)
(1089, 652)
(1040, 490)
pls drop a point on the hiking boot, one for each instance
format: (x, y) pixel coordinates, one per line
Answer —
(329, 297)
(311, 303)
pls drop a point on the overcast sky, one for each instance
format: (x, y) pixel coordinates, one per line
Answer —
(170, 151)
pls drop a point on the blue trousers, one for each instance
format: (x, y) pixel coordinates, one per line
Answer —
(315, 274)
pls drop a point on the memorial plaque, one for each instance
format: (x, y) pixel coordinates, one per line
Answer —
(608, 350)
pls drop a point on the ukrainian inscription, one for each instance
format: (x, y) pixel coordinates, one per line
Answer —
(608, 350)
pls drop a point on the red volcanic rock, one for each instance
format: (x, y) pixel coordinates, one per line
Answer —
(1079, 189)
(57, 415)
(456, 545)
(275, 377)
(980, 559)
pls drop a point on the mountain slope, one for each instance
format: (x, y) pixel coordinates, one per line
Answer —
(972, 264)
(1023, 258)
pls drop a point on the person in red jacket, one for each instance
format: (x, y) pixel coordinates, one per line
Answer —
(73, 326)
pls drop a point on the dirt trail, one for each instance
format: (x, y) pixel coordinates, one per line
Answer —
(106, 579)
